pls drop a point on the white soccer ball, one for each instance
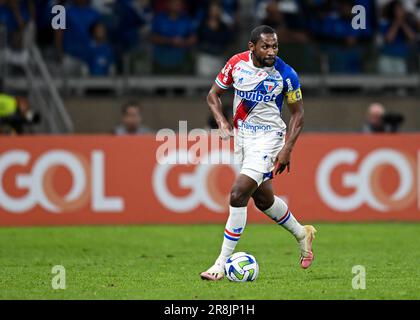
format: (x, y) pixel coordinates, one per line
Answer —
(241, 267)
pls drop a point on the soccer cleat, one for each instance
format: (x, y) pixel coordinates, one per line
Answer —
(306, 254)
(215, 273)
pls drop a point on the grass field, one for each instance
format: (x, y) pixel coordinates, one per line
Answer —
(163, 262)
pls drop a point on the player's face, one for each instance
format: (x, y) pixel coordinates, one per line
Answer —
(265, 50)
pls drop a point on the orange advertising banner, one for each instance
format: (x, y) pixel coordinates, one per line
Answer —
(76, 180)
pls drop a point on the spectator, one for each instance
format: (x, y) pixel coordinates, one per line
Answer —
(213, 38)
(272, 16)
(15, 54)
(131, 17)
(14, 15)
(337, 24)
(314, 13)
(342, 41)
(131, 120)
(197, 10)
(398, 31)
(286, 23)
(75, 40)
(101, 57)
(230, 12)
(160, 6)
(104, 7)
(379, 121)
(375, 119)
(173, 35)
(43, 18)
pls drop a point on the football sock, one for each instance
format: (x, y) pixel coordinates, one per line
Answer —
(235, 225)
(281, 214)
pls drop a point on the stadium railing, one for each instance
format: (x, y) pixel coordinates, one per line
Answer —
(121, 84)
(40, 88)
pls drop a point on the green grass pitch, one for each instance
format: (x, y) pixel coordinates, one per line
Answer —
(164, 262)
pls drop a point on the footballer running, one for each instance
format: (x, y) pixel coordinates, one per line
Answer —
(261, 81)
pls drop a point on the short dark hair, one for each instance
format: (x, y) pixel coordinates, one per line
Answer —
(130, 104)
(258, 31)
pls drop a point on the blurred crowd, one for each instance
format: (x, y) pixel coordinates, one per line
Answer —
(100, 34)
(390, 32)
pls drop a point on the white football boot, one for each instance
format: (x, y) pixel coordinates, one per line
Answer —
(305, 244)
(214, 273)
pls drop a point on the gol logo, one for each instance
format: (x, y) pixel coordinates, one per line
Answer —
(366, 181)
(201, 182)
(88, 182)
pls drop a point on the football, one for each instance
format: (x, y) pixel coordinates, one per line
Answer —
(241, 267)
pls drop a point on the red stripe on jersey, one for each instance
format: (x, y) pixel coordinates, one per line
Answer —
(225, 77)
(241, 113)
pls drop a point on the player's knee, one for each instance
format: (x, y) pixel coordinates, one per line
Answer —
(262, 203)
(238, 198)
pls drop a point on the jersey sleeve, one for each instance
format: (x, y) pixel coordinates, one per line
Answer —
(225, 78)
(291, 86)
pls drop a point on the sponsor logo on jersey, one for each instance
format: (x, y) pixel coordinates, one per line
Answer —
(243, 125)
(274, 77)
(246, 72)
(289, 84)
(256, 96)
(226, 71)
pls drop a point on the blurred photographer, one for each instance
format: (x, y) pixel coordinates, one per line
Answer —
(380, 121)
(16, 117)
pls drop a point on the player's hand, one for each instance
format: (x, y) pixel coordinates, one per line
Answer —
(225, 131)
(282, 161)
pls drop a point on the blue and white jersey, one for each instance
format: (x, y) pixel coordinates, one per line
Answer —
(259, 92)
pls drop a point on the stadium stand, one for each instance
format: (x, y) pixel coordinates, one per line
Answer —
(153, 47)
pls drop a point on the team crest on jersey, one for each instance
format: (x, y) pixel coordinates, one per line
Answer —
(268, 85)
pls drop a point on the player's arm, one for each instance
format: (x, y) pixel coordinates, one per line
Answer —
(295, 124)
(295, 105)
(215, 105)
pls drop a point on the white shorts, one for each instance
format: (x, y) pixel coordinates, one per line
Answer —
(257, 154)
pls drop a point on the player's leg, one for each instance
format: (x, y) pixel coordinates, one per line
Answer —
(240, 194)
(277, 210)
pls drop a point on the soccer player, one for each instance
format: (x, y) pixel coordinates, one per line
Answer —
(261, 81)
